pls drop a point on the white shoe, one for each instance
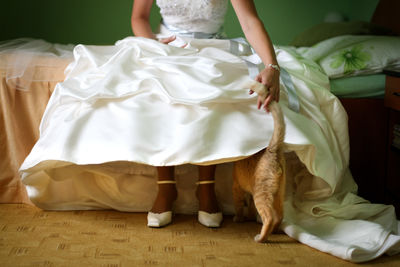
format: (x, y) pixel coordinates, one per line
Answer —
(159, 219)
(210, 219)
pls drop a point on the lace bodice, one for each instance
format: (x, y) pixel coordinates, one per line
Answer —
(194, 15)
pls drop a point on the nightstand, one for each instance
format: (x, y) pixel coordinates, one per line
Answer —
(392, 102)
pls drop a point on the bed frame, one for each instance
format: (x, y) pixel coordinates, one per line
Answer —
(368, 125)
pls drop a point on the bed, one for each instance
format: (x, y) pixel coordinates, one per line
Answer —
(372, 142)
(25, 92)
(363, 97)
(24, 99)
(21, 119)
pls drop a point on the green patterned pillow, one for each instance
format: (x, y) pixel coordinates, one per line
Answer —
(351, 55)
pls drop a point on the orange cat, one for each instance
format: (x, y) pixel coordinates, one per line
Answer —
(263, 176)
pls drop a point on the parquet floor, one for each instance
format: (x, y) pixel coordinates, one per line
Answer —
(32, 237)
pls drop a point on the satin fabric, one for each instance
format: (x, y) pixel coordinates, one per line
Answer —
(123, 108)
(132, 102)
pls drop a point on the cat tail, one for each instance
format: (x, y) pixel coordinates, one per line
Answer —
(279, 127)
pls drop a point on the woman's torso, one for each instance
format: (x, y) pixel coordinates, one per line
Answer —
(205, 16)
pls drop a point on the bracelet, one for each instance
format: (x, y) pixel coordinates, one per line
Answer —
(274, 66)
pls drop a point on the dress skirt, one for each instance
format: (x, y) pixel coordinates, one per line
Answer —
(126, 108)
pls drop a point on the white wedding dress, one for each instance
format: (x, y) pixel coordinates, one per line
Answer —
(138, 103)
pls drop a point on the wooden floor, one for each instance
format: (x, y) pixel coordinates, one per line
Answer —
(32, 237)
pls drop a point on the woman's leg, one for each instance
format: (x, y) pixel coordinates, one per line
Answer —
(166, 192)
(205, 192)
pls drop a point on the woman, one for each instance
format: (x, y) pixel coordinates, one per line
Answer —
(203, 19)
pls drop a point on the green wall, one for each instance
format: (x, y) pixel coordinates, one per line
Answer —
(105, 21)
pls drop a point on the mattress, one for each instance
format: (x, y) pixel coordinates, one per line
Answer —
(367, 86)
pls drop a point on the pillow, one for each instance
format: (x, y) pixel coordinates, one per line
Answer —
(351, 55)
(328, 30)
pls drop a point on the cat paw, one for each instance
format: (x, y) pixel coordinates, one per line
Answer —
(257, 238)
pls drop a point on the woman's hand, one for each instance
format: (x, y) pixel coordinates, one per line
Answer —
(269, 77)
(167, 40)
